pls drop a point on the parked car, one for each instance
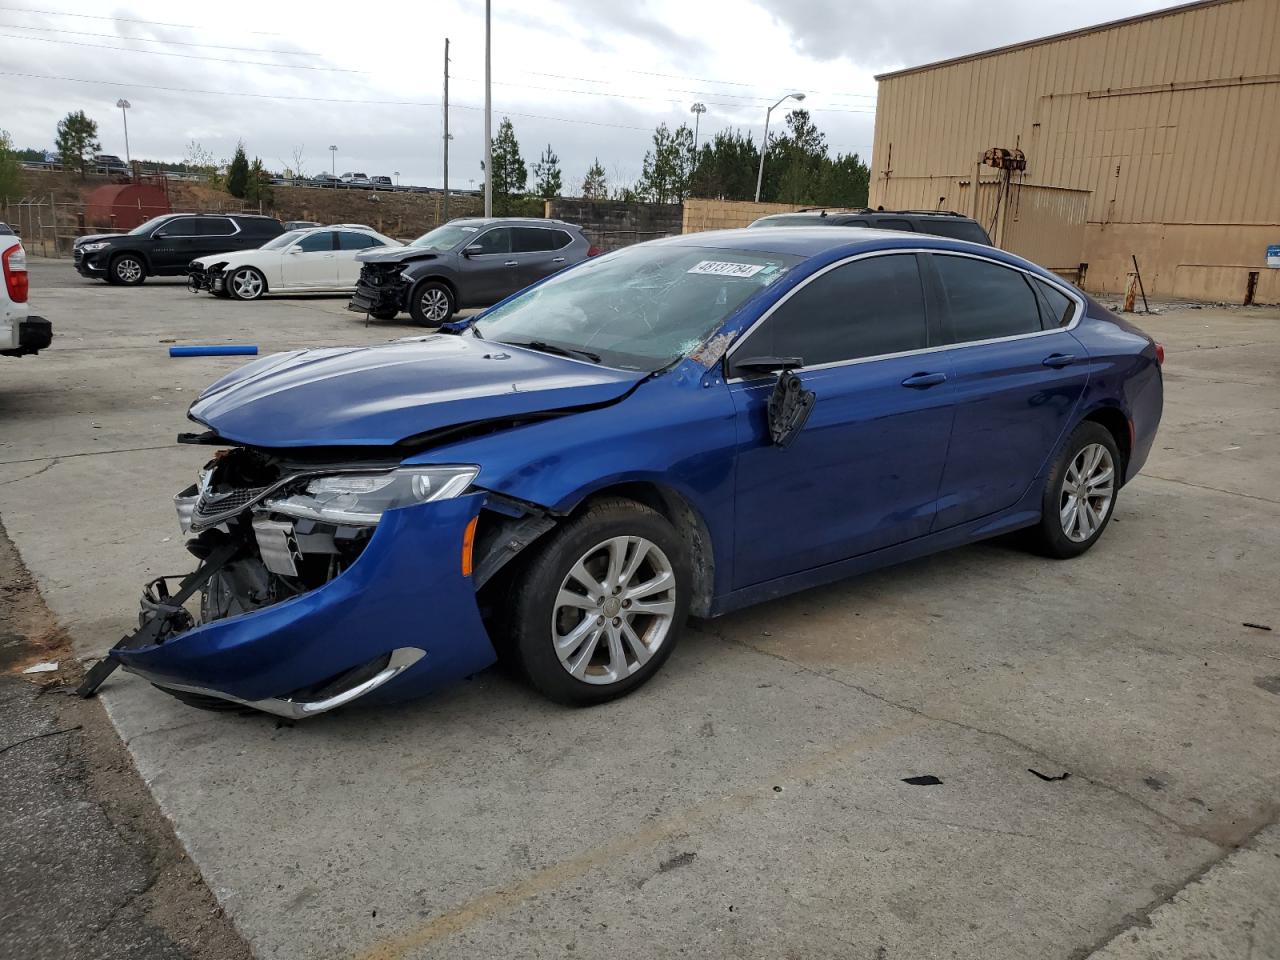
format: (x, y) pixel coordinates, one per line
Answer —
(356, 180)
(6, 230)
(326, 180)
(939, 223)
(20, 333)
(685, 426)
(164, 246)
(299, 224)
(382, 183)
(109, 163)
(314, 260)
(465, 263)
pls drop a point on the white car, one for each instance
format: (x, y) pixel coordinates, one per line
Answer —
(315, 260)
(20, 333)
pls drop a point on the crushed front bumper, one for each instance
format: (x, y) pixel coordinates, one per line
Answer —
(401, 621)
(380, 289)
(201, 278)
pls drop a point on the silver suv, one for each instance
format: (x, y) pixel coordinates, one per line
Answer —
(473, 262)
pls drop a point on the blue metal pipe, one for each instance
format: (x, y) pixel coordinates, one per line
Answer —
(228, 350)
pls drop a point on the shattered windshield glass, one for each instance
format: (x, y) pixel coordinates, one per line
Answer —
(638, 308)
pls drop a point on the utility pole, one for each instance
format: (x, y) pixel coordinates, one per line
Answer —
(446, 129)
(488, 119)
(124, 106)
(698, 109)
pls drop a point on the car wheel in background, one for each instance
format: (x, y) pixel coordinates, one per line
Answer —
(1080, 494)
(431, 304)
(599, 606)
(127, 269)
(246, 283)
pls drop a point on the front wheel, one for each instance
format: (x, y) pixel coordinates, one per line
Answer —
(384, 313)
(1080, 494)
(599, 607)
(431, 304)
(127, 269)
(246, 283)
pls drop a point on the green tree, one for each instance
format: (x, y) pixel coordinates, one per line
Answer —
(595, 186)
(546, 175)
(238, 173)
(664, 177)
(795, 162)
(10, 169)
(258, 190)
(725, 167)
(77, 141)
(509, 174)
(844, 182)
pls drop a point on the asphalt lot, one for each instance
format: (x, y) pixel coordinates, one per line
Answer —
(749, 802)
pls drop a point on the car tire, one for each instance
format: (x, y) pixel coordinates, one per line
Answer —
(1080, 493)
(246, 283)
(126, 269)
(432, 304)
(618, 647)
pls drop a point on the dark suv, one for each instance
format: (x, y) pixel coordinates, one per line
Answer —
(164, 246)
(465, 263)
(939, 223)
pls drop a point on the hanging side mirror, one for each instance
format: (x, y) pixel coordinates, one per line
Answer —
(790, 403)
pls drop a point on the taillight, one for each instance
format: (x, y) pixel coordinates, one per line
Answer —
(14, 262)
(594, 251)
(1159, 352)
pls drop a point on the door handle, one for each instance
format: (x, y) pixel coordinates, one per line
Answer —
(510, 263)
(557, 260)
(921, 381)
(1057, 360)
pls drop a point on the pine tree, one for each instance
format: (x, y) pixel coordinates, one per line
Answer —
(665, 175)
(509, 174)
(77, 141)
(238, 173)
(595, 186)
(546, 172)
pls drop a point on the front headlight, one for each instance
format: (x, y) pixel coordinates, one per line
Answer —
(91, 247)
(361, 498)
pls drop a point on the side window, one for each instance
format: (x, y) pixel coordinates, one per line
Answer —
(350, 240)
(888, 223)
(497, 240)
(560, 239)
(1056, 308)
(866, 308)
(316, 242)
(215, 227)
(181, 227)
(985, 300)
(531, 240)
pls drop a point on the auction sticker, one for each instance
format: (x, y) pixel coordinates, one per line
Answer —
(723, 268)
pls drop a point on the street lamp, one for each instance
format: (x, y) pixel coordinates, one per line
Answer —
(124, 105)
(698, 109)
(764, 144)
(333, 160)
(397, 178)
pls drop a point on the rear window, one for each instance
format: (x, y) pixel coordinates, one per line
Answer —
(216, 227)
(956, 230)
(888, 223)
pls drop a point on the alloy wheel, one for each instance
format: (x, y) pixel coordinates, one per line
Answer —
(615, 608)
(1088, 487)
(129, 270)
(435, 304)
(247, 285)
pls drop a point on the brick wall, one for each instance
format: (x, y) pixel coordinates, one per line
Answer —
(702, 215)
(610, 224)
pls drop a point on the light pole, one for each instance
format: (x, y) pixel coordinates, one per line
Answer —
(698, 109)
(124, 105)
(764, 144)
(397, 178)
(488, 121)
(333, 160)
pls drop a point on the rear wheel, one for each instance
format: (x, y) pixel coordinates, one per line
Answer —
(128, 269)
(246, 283)
(599, 607)
(1080, 494)
(432, 304)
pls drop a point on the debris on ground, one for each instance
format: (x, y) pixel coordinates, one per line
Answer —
(928, 780)
(48, 666)
(1256, 626)
(1046, 777)
(679, 860)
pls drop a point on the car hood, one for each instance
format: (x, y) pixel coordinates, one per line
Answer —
(234, 258)
(380, 395)
(91, 237)
(399, 254)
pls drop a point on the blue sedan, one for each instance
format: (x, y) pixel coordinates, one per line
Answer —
(682, 427)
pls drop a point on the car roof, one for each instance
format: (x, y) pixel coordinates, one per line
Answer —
(819, 216)
(511, 221)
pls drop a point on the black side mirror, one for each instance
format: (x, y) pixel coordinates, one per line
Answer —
(789, 407)
(472, 249)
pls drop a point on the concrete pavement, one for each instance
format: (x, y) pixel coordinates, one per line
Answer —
(750, 801)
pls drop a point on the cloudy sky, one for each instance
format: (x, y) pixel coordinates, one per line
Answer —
(590, 77)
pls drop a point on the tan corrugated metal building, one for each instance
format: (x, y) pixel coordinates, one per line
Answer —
(1158, 136)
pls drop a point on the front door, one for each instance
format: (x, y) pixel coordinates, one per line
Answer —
(175, 244)
(488, 268)
(311, 262)
(864, 472)
(1019, 375)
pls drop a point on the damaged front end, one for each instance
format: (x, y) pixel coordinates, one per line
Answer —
(318, 584)
(210, 278)
(381, 289)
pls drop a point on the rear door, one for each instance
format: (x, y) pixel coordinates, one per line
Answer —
(864, 471)
(489, 268)
(311, 262)
(1019, 375)
(218, 235)
(538, 252)
(351, 242)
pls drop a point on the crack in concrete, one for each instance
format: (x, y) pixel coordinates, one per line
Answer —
(1205, 486)
(48, 466)
(83, 453)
